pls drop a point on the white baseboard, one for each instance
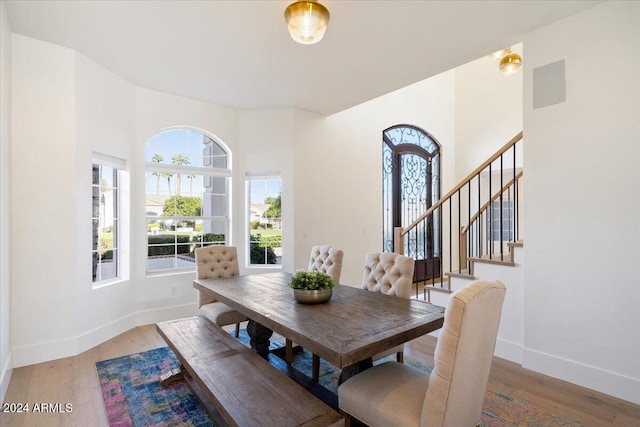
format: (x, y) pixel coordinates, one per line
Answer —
(509, 350)
(5, 377)
(611, 383)
(46, 351)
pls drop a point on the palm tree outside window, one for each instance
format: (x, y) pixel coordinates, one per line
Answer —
(178, 221)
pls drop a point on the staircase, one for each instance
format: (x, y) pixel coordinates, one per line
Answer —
(478, 235)
(476, 223)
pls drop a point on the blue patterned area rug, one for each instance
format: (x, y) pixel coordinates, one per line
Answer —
(133, 397)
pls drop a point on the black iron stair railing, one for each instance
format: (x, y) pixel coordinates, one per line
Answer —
(477, 218)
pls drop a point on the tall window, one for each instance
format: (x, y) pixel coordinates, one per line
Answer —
(497, 221)
(265, 219)
(105, 222)
(187, 197)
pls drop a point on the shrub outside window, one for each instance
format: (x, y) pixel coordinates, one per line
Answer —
(187, 197)
(265, 220)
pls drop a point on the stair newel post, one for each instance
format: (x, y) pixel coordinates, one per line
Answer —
(515, 197)
(463, 247)
(479, 238)
(501, 209)
(398, 240)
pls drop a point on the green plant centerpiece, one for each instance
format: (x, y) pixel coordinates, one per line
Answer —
(311, 287)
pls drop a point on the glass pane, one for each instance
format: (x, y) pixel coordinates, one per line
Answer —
(104, 223)
(175, 201)
(409, 135)
(95, 257)
(266, 224)
(96, 175)
(106, 178)
(95, 234)
(95, 202)
(185, 147)
(108, 265)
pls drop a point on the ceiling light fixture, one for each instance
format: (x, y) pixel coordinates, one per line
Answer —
(307, 21)
(510, 62)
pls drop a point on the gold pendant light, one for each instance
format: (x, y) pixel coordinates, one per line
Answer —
(307, 21)
(510, 62)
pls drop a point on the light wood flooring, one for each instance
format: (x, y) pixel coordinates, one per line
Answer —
(74, 380)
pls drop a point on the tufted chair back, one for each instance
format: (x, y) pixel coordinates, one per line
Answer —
(463, 356)
(327, 260)
(388, 273)
(215, 262)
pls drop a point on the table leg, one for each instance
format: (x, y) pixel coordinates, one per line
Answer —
(259, 338)
(356, 368)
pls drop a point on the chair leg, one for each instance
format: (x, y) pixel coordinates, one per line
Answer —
(347, 418)
(315, 367)
(288, 351)
(400, 357)
(237, 330)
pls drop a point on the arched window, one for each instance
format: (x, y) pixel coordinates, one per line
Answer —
(411, 185)
(187, 197)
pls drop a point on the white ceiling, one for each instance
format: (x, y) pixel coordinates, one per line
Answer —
(239, 53)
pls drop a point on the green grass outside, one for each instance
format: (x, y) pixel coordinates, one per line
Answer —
(269, 232)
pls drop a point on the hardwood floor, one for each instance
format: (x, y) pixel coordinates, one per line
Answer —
(74, 380)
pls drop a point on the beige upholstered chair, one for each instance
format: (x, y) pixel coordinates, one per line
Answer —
(328, 260)
(217, 262)
(388, 273)
(391, 274)
(393, 394)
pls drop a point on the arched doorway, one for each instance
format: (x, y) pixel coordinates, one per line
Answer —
(411, 185)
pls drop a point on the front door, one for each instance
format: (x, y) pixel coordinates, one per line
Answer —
(411, 184)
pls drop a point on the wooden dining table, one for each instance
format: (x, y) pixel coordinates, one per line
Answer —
(347, 331)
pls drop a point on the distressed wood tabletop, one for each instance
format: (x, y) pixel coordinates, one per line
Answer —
(354, 325)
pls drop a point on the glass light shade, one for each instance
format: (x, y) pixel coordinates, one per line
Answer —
(499, 54)
(510, 64)
(307, 21)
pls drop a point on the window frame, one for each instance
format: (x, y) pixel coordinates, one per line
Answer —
(508, 221)
(207, 170)
(260, 176)
(119, 169)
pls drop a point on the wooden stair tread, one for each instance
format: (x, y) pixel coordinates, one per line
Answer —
(507, 260)
(464, 274)
(438, 289)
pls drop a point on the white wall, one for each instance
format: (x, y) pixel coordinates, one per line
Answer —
(5, 219)
(104, 124)
(488, 109)
(265, 145)
(43, 200)
(338, 169)
(582, 288)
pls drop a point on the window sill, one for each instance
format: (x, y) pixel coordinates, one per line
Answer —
(107, 283)
(172, 272)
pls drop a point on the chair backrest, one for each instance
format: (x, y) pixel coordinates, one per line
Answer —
(463, 356)
(388, 273)
(216, 262)
(328, 260)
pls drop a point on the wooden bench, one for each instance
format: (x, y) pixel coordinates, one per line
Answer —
(242, 386)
